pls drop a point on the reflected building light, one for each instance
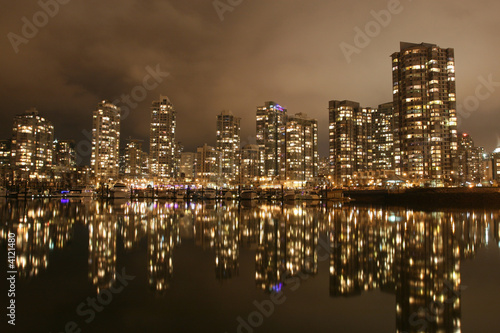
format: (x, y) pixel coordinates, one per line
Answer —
(102, 247)
(227, 247)
(163, 235)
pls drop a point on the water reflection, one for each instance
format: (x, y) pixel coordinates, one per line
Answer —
(40, 226)
(413, 255)
(163, 236)
(227, 249)
(102, 225)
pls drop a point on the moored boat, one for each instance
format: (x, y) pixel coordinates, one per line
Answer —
(120, 191)
(180, 194)
(228, 195)
(209, 194)
(308, 195)
(248, 195)
(86, 191)
(290, 195)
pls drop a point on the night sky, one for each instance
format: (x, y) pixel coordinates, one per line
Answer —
(284, 50)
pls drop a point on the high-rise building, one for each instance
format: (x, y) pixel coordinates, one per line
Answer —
(469, 160)
(5, 151)
(65, 153)
(249, 167)
(187, 165)
(134, 159)
(179, 148)
(424, 97)
(32, 142)
(301, 149)
(5, 168)
(495, 161)
(228, 143)
(324, 166)
(208, 165)
(487, 169)
(105, 142)
(162, 144)
(271, 138)
(383, 137)
(65, 170)
(351, 143)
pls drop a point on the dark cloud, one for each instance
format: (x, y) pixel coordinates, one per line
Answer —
(287, 51)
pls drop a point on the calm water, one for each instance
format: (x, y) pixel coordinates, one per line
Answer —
(224, 267)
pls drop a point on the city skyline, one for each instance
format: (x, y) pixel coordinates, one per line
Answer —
(232, 67)
(250, 166)
(412, 139)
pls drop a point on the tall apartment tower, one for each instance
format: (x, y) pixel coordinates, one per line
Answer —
(249, 165)
(271, 139)
(64, 153)
(5, 152)
(208, 169)
(32, 142)
(105, 142)
(469, 160)
(301, 148)
(351, 143)
(425, 112)
(162, 144)
(383, 137)
(187, 165)
(228, 144)
(135, 159)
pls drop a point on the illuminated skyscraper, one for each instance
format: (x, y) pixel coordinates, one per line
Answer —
(383, 137)
(162, 144)
(105, 142)
(187, 165)
(32, 142)
(135, 159)
(425, 112)
(228, 143)
(65, 170)
(249, 167)
(271, 138)
(5, 151)
(351, 143)
(301, 148)
(208, 165)
(469, 160)
(495, 161)
(65, 153)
